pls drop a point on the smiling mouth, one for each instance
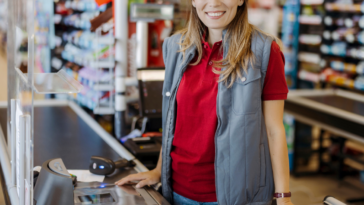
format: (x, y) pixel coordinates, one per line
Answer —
(215, 14)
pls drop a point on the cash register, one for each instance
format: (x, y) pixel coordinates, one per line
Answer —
(56, 186)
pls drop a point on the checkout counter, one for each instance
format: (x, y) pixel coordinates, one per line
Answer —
(64, 130)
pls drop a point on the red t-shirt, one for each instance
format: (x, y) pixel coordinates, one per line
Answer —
(193, 151)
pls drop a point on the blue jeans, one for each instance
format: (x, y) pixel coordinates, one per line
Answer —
(180, 200)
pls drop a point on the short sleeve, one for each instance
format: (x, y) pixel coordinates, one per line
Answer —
(275, 85)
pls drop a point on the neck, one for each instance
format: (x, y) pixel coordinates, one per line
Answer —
(215, 35)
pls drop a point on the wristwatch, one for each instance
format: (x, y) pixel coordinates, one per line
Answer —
(282, 195)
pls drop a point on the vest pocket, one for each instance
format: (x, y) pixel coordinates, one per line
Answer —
(246, 93)
(262, 165)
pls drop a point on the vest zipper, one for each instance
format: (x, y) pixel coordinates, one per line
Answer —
(172, 97)
(174, 89)
(218, 126)
(179, 80)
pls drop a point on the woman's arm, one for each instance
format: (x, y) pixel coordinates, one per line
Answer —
(273, 114)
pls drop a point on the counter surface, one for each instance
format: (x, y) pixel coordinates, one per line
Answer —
(340, 102)
(60, 133)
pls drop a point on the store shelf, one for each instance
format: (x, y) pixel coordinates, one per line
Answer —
(52, 83)
(103, 87)
(355, 8)
(101, 64)
(309, 57)
(312, 2)
(310, 39)
(357, 54)
(310, 19)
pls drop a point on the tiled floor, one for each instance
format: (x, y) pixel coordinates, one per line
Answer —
(2, 201)
(312, 190)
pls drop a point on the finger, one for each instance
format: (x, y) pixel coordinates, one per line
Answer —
(133, 177)
(142, 183)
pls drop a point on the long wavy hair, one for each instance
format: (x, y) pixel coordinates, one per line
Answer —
(239, 32)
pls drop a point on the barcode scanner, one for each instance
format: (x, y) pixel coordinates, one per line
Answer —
(104, 166)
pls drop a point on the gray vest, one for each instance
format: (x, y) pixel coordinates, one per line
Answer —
(243, 167)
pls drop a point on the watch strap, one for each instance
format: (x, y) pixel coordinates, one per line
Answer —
(282, 195)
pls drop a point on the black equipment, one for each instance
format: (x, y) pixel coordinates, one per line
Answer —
(150, 82)
(54, 174)
(146, 149)
(105, 166)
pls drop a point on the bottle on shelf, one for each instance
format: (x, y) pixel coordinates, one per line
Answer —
(326, 34)
(337, 48)
(352, 22)
(329, 21)
(341, 33)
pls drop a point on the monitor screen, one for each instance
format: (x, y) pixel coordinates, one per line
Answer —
(150, 90)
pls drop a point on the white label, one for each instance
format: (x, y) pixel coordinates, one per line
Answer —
(56, 63)
(18, 113)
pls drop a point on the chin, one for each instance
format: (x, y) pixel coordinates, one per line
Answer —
(214, 26)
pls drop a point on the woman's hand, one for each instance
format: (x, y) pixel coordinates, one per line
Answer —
(284, 201)
(145, 178)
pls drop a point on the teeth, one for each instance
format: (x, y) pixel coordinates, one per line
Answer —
(215, 14)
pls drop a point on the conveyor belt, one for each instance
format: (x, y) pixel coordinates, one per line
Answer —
(60, 133)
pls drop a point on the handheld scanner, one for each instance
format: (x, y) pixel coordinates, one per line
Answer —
(104, 166)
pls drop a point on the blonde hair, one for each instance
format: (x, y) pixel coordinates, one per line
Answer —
(239, 33)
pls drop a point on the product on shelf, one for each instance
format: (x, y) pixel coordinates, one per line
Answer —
(310, 19)
(337, 78)
(329, 21)
(312, 2)
(341, 66)
(309, 76)
(343, 7)
(311, 39)
(359, 83)
(337, 48)
(309, 57)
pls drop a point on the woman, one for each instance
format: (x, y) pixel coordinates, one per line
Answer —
(223, 97)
